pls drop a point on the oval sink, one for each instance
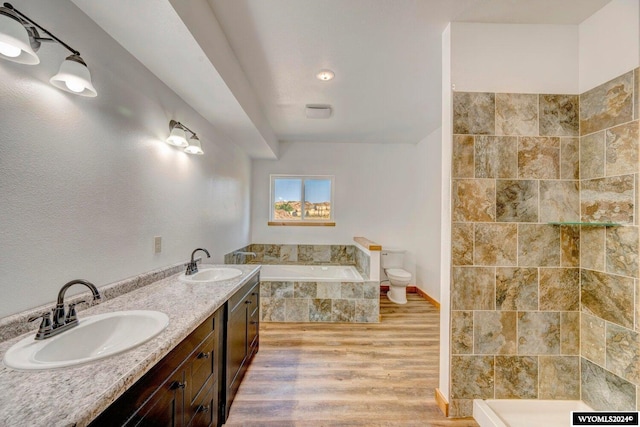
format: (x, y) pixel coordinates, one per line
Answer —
(95, 337)
(214, 274)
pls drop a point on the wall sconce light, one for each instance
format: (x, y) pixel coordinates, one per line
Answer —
(178, 138)
(19, 41)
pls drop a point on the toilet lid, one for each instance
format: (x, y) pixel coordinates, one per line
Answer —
(399, 273)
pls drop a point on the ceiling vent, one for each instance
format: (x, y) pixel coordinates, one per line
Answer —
(318, 111)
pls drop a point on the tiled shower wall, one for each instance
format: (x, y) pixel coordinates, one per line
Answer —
(519, 161)
(610, 317)
(515, 279)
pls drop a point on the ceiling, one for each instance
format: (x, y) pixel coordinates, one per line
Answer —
(258, 59)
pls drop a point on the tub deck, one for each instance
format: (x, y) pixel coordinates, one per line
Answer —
(526, 412)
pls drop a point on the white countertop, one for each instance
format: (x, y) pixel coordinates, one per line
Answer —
(74, 396)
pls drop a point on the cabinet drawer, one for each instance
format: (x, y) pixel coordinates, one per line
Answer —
(204, 407)
(202, 364)
(240, 297)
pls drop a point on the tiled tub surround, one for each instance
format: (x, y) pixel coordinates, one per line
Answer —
(74, 396)
(309, 301)
(542, 311)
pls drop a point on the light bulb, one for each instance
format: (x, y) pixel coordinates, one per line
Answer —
(9, 50)
(74, 85)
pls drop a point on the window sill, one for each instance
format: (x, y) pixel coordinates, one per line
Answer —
(301, 223)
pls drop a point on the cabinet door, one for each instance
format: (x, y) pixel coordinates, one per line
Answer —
(237, 347)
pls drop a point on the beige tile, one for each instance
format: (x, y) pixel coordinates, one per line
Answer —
(622, 149)
(570, 333)
(462, 332)
(472, 377)
(272, 310)
(474, 200)
(304, 290)
(289, 253)
(516, 200)
(570, 246)
(328, 290)
(496, 244)
(496, 157)
(494, 332)
(282, 289)
(569, 158)
(296, 310)
(462, 243)
(607, 105)
(608, 199)
(538, 333)
(608, 296)
(559, 201)
(460, 408)
(463, 158)
(516, 288)
(592, 248)
(343, 310)
(516, 377)
(623, 353)
(592, 155)
(559, 377)
(604, 391)
(559, 115)
(516, 114)
(559, 289)
(592, 338)
(538, 245)
(320, 310)
(473, 288)
(622, 250)
(350, 290)
(636, 96)
(538, 157)
(367, 310)
(473, 113)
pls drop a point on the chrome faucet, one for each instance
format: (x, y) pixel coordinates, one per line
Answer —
(62, 321)
(192, 267)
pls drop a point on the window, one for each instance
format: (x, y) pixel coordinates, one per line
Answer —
(301, 200)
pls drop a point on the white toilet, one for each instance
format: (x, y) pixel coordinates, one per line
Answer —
(392, 263)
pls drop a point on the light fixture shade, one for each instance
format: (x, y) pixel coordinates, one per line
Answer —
(194, 146)
(74, 77)
(14, 41)
(178, 137)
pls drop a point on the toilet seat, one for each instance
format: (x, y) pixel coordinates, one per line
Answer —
(398, 272)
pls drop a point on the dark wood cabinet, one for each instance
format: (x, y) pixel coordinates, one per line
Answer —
(242, 337)
(180, 390)
(195, 383)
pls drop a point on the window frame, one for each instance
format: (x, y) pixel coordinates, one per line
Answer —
(303, 221)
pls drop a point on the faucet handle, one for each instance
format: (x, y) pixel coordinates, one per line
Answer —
(71, 313)
(45, 326)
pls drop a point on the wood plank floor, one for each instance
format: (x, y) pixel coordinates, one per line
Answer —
(346, 374)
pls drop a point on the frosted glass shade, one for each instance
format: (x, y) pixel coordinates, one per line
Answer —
(194, 146)
(14, 42)
(74, 77)
(177, 137)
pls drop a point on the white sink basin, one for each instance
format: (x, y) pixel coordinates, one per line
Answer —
(214, 274)
(95, 337)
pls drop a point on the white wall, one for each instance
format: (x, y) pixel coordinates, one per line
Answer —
(445, 213)
(85, 183)
(387, 193)
(609, 43)
(514, 58)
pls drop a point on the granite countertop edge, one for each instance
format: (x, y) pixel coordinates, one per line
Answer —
(75, 396)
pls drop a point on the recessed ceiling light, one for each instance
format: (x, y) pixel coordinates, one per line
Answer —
(325, 75)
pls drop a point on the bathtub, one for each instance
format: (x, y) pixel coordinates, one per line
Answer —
(526, 413)
(309, 273)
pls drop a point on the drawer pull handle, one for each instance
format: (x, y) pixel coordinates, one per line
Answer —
(247, 302)
(253, 322)
(204, 355)
(177, 384)
(203, 409)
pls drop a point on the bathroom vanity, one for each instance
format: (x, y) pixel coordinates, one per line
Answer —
(186, 376)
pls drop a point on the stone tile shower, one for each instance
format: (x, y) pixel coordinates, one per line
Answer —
(540, 310)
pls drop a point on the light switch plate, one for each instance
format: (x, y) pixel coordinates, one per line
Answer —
(157, 244)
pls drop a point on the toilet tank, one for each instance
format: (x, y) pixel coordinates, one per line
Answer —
(392, 258)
